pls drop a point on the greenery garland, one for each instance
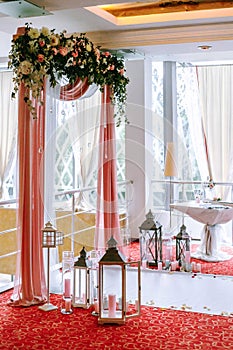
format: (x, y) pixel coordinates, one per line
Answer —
(40, 53)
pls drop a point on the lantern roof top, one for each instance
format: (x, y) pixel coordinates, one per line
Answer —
(150, 223)
(112, 254)
(82, 259)
(49, 227)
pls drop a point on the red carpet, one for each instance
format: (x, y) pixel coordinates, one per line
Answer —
(215, 268)
(31, 328)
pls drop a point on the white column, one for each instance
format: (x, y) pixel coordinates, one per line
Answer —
(138, 150)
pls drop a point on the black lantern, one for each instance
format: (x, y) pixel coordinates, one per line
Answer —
(119, 287)
(81, 295)
(151, 240)
(183, 247)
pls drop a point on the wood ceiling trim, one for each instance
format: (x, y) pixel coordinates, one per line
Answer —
(162, 36)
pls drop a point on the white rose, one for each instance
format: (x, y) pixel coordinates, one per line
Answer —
(25, 67)
(45, 31)
(88, 47)
(34, 33)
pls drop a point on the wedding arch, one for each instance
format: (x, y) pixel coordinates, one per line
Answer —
(37, 56)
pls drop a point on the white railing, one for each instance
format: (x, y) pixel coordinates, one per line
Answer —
(125, 192)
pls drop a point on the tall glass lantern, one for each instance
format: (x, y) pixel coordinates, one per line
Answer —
(119, 287)
(81, 295)
(183, 248)
(151, 240)
(67, 279)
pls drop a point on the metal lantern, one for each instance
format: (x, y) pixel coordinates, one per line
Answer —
(81, 295)
(151, 240)
(51, 238)
(119, 287)
(183, 247)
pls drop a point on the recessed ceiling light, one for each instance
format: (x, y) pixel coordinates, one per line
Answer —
(205, 47)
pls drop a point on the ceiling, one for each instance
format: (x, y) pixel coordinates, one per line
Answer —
(162, 29)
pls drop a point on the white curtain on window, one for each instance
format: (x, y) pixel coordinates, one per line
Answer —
(8, 126)
(191, 99)
(216, 96)
(84, 136)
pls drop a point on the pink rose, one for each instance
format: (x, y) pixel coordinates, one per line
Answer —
(107, 54)
(75, 53)
(55, 51)
(63, 51)
(41, 43)
(122, 71)
(112, 67)
(40, 57)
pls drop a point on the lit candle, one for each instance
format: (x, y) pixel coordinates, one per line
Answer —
(67, 288)
(111, 306)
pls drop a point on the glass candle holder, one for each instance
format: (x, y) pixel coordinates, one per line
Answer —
(67, 280)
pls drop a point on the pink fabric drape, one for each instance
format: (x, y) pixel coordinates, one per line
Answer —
(30, 287)
(107, 216)
(74, 91)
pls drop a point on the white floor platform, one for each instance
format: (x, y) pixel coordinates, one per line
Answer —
(186, 291)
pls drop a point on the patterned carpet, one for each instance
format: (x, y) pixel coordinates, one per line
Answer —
(31, 328)
(157, 328)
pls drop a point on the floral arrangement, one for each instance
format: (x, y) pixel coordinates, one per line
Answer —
(37, 54)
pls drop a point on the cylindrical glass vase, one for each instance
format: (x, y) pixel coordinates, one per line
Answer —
(67, 280)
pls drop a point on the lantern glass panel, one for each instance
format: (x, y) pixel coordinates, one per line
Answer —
(93, 285)
(133, 296)
(81, 286)
(111, 293)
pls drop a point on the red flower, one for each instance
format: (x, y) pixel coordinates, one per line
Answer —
(107, 54)
(40, 57)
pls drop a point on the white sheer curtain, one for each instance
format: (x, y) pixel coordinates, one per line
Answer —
(8, 125)
(84, 136)
(216, 96)
(191, 101)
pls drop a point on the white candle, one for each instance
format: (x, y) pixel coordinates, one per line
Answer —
(111, 306)
(194, 267)
(67, 288)
(198, 267)
(159, 266)
(187, 256)
(144, 264)
(96, 306)
(173, 265)
(167, 253)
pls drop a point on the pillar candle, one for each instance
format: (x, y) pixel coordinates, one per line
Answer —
(67, 292)
(187, 256)
(198, 267)
(67, 305)
(159, 266)
(194, 267)
(111, 306)
(167, 253)
(96, 306)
